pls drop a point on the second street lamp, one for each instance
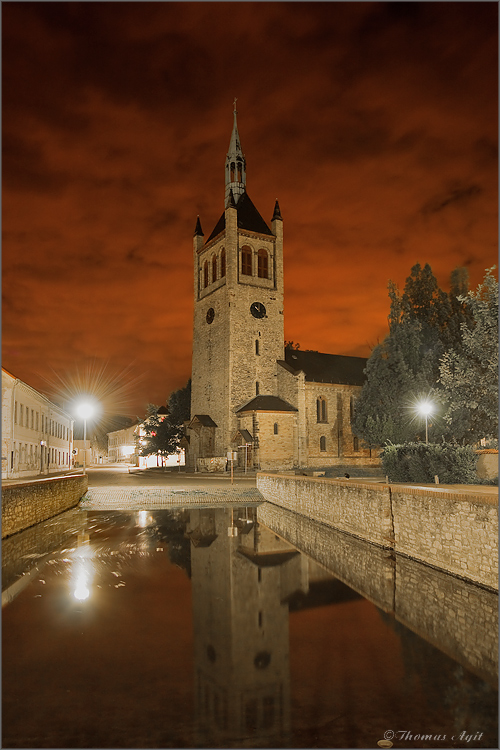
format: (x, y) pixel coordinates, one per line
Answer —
(85, 411)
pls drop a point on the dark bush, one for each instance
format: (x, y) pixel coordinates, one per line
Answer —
(419, 462)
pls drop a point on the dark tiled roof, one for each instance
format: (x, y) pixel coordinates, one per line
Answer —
(245, 435)
(327, 368)
(204, 420)
(248, 218)
(162, 410)
(266, 403)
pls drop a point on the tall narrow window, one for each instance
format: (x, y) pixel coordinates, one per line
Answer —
(321, 415)
(214, 268)
(355, 444)
(275, 428)
(232, 172)
(15, 412)
(222, 263)
(239, 170)
(262, 264)
(351, 407)
(257, 346)
(246, 260)
(257, 389)
(322, 443)
(205, 274)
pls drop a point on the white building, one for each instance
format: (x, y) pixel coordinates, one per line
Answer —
(37, 435)
(124, 445)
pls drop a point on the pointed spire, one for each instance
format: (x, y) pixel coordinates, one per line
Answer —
(277, 212)
(198, 232)
(235, 163)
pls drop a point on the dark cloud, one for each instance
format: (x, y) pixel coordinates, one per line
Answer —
(455, 195)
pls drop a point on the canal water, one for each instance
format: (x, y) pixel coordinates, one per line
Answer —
(236, 627)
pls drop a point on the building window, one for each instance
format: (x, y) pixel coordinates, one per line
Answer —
(239, 170)
(32, 419)
(214, 268)
(246, 260)
(275, 428)
(232, 172)
(262, 264)
(36, 422)
(257, 389)
(15, 412)
(321, 409)
(322, 443)
(222, 263)
(355, 444)
(205, 274)
(351, 407)
(257, 346)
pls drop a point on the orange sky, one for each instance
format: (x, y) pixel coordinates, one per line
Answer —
(375, 126)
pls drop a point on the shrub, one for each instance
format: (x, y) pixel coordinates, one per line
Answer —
(420, 462)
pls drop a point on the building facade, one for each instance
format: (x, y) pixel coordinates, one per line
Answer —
(279, 409)
(37, 435)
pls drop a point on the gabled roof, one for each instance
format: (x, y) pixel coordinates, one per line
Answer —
(326, 368)
(266, 403)
(248, 218)
(244, 434)
(202, 419)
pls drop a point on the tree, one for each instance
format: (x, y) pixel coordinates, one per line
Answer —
(469, 373)
(423, 323)
(179, 406)
(160, 436)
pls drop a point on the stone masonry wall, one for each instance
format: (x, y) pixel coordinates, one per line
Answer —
(29, 503)
(456, 616)
(453, 531)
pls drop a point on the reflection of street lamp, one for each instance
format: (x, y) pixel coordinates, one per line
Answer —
(425, 408)
(85, 411)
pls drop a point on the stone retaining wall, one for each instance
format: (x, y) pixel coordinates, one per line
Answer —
(457, 616)
(456, 532)
(28, 503)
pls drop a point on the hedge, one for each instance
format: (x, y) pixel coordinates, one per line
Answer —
(420, 462)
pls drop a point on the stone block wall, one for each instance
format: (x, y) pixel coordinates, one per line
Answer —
(453, 531)
(29, 503)
(360, 509)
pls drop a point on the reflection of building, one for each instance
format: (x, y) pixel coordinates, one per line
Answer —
(37, 435)
(241, 575)
(279, 408)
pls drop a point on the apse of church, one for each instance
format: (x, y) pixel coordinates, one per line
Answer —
(248, 395)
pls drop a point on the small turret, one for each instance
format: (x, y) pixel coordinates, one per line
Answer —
(236, 176)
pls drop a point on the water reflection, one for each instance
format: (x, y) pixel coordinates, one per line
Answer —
(235, 627)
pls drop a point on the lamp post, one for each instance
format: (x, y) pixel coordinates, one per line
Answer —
(425, 408)
(85, 411)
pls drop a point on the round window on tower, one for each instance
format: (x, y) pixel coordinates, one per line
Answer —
(210, 315)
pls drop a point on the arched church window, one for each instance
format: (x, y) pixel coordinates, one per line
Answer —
(246, 260)
(257, 348)
(222, 263)
(239, 170)
(257, 388)
(262, 264)
(205, 274)
(322, 443)
(214, 268)
(232, 171)
(321, 415)
(275, 428)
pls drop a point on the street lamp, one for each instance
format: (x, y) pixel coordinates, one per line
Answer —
(85, 411)
(425, 408)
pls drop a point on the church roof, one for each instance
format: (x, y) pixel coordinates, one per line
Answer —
(203, 419)
(266, 403)
(248, 218)
(327, 368)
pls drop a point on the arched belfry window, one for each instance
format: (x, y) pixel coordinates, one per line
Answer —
(205, 274)
(246, 260)
(239, 171)
(222, 263)
(321, 415)
(214, 268)
(232, 171)
(322, 443)
(262, 264)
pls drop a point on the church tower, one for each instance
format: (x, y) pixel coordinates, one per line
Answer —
(238, 332)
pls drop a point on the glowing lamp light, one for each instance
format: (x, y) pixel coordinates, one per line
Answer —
(85, 410)
(425, 408)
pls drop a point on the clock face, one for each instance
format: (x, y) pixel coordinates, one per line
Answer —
(210, 315)
(257, 309)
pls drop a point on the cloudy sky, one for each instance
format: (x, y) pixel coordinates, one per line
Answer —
(374, 124)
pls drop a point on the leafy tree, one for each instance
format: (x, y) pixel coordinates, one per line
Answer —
(405, 366)
(160, 436)
(291, 345)
(179, 406)
(469, 373)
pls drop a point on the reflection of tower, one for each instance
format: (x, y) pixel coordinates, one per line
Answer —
(240, 581)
